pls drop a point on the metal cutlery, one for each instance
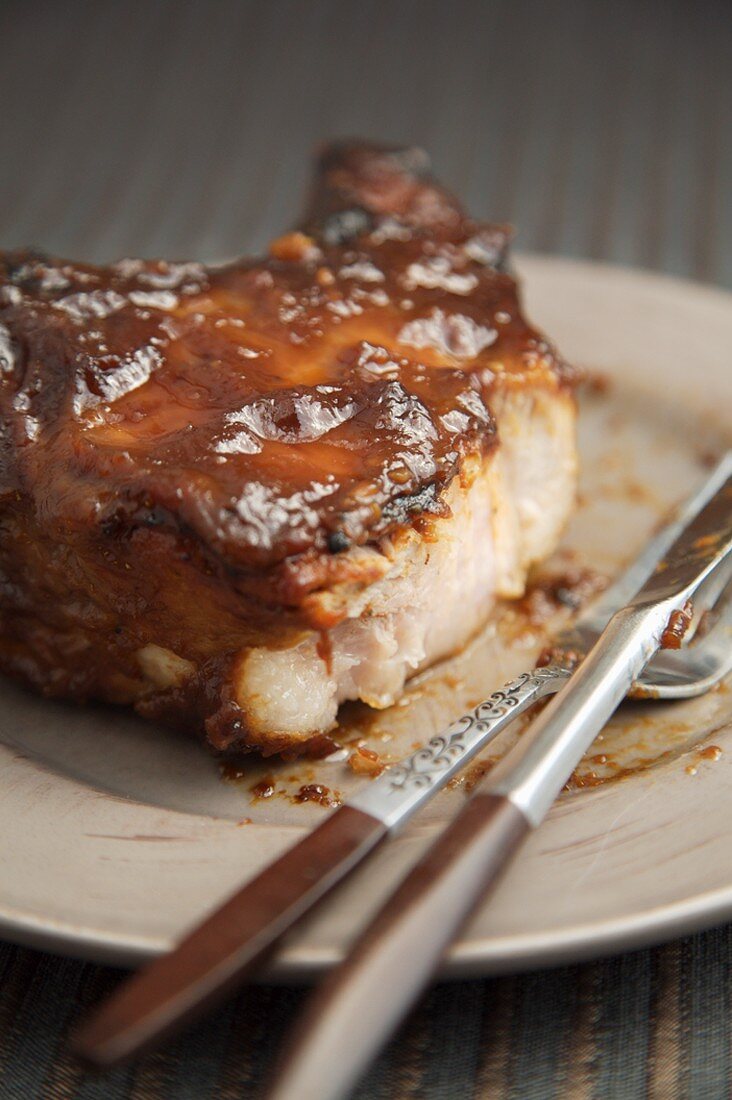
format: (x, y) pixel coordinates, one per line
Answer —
(363, 1000)
(216, 956)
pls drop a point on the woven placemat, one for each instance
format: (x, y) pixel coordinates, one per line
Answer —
(652, 1023)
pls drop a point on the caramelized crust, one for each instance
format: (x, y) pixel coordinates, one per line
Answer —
(194, 458)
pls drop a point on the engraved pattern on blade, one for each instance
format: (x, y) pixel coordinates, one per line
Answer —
(395, 795)
(422, 768)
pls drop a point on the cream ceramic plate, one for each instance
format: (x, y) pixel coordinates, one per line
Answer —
(116, 836)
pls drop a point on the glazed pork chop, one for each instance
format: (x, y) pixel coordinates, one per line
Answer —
(235, 497)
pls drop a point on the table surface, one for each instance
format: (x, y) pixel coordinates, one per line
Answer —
(184, 128)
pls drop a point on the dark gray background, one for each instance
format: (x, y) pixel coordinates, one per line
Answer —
(602, 129)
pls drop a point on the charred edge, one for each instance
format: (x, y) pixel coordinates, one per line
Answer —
(358, 180)
(338, 541)
(408, 506)
(345, 225)
(14, 267)
(408, 160)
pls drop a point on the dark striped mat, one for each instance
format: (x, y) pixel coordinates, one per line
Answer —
(654, 1023)
(602, 129)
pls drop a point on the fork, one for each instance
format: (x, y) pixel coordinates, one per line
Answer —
(213, 958)
(363, 1000)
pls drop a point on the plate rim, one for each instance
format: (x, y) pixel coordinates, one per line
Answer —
(468, 958)
(475, 955)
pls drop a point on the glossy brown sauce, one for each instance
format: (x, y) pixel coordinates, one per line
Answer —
(317, 792)
(264, 788)
(188, 453)
(364, 761)
(268, 408)
(677, 626)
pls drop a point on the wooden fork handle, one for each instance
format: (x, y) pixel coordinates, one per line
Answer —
(359, 1005)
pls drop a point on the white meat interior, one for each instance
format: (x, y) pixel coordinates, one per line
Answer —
(436, 593)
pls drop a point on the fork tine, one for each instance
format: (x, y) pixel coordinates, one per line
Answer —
(696, 667)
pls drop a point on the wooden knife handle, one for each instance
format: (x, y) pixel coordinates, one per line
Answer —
(213, 959)
(362, 1001)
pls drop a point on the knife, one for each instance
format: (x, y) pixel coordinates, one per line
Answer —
(362, 1000)
(213, 959)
